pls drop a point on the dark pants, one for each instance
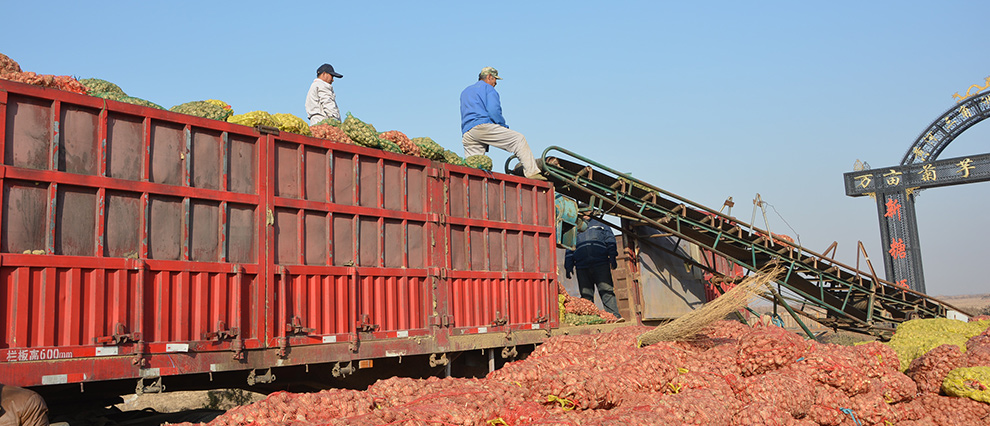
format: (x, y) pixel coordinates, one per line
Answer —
(600, 277)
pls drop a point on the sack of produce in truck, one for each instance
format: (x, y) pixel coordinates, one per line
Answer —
(202, 109)
(428, 148)
(292, 124)
(253, 118)
(360, 132)
(403, 141)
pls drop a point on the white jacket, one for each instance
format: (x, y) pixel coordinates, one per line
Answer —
(321, 102)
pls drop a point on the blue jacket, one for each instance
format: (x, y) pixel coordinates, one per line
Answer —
(480, 104)
(594, 247)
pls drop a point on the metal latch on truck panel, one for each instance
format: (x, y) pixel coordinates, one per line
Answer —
(435, 173)
(438, 218)
(509, 352)
(295, 327)
(119, 337)
(436, 273)
(222, 332)
(156, 387)
(253, 378)
(343, 371)
(434, 361)
(441, 321)
(499, 320)
(267, 129)
(237, 345)
(364, 324)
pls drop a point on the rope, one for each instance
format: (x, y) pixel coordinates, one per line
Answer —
(565, 403)
(849, 411)
(778, 321)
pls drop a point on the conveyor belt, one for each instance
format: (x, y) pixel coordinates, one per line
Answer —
(853, 300)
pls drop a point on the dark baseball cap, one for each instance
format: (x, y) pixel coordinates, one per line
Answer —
(327, 68)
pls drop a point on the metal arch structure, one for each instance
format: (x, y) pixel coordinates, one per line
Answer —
(937, 136)
(894, 188)
(969, 110)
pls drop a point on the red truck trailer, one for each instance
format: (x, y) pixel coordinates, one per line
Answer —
(141, 248)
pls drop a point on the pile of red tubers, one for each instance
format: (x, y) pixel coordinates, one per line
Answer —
(731, 374)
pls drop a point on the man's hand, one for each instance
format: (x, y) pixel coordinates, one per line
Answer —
(614, 264)
(567, 274)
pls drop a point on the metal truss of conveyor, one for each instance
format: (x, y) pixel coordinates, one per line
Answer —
(852, 300)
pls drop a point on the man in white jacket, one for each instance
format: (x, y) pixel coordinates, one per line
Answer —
(321, 103)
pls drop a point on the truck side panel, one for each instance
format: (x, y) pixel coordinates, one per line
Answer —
(141, 243)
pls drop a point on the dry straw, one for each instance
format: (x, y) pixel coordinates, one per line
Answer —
(690, 324)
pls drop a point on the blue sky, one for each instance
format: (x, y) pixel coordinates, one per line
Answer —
(706, 100)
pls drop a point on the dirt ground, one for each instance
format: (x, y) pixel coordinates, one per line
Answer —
(171, 402)
(972, 303)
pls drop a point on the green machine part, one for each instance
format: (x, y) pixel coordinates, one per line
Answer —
(566, 210)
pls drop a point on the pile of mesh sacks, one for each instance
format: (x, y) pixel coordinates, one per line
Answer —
(11, 70)
(357, 132)
(731, 374)
(579, 311)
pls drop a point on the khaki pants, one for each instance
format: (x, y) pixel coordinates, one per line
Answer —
(512, 141)
(22, 407)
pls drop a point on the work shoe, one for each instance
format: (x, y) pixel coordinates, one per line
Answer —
(536, 176)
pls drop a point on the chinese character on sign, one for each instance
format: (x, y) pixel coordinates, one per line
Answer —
(964, 167)
(897, 249)
(920, 153)
(22, 355)
(927, 172)
(965, 112)
(985, 101)
(950, 122)
(893, 208)
(893, 178)
(864, 181)
(930, 139)
(903, 283)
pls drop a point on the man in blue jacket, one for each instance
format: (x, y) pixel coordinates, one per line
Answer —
(482, 124)
(594, 258)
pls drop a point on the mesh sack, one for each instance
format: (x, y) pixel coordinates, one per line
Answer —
(930, 369)
(480, 161)
(202, 109)
(229, 111)
(331, 133)
(330, 121)
(451, 157)
(253, 118)
(428, 148)
(969, 382)
(101, 86)
(360, 132)
(403, 141)
(8, 65)
(292, 124)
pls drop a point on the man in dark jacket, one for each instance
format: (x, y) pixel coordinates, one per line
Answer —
(594, 258)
